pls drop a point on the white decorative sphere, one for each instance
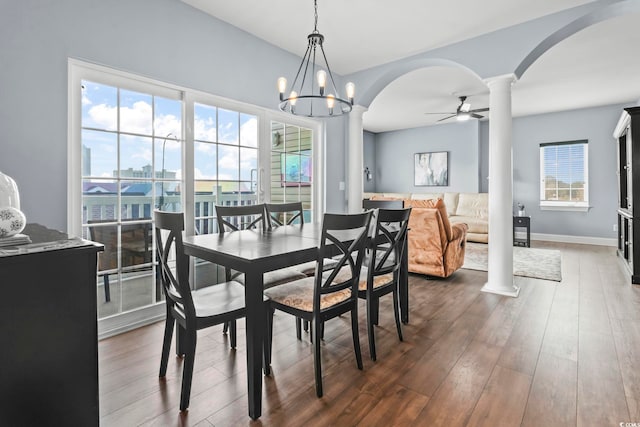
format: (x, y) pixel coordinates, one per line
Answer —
(12, 221)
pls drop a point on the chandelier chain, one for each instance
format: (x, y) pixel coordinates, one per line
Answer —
(315, 15)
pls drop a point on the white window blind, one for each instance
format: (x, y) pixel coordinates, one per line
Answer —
(564, 178)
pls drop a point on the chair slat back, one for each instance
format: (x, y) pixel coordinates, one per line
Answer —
(388, 241)
(135, 242)
(235, 218)
(291, 211)
(169, 227)
(382, 204)
(347, 235)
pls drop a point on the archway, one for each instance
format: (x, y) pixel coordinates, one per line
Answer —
(607, 12)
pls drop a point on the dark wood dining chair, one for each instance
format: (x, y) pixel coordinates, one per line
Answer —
(292, 213)
(326, 296)
(381, 275)
(136, 248)
(382, 204)
(246, 217)
(193, 310)
(235, 218)
(284, 213)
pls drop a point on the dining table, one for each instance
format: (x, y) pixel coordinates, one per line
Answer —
(255, 252)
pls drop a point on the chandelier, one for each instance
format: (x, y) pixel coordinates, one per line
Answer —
(312, 97)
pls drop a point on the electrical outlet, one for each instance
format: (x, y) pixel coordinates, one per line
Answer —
(615, 227)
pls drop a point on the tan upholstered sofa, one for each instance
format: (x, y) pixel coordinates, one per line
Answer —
(468, 208)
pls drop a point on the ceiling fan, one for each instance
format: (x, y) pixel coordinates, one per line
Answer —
(464, 111)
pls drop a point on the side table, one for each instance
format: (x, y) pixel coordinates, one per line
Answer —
(522, 231)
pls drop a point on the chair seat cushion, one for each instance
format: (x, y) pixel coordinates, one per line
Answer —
(276, 277)
(299, 295)
(218, 299)
(378, 281)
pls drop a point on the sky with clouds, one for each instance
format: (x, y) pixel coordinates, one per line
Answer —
(153, 127)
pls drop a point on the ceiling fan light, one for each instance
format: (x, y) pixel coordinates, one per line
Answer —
(463, 116)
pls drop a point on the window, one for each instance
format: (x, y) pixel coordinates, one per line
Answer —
(225, 162)
(564, 177)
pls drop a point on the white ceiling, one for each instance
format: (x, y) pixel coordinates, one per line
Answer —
(594, 67)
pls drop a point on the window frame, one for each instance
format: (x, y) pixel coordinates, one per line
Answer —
(561, 205)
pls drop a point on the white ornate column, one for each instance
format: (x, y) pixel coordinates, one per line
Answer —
(355, 163)
(500, 264)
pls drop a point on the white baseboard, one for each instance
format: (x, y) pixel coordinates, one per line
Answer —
(585, 240)
(125, 322)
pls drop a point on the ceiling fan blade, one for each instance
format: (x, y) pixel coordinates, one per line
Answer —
(476, 116)
(448, 112)
(446, 118)
(479, 110)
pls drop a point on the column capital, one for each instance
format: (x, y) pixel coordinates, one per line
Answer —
(359, 110)
(510, 78)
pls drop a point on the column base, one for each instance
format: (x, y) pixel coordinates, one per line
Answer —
(506, 291)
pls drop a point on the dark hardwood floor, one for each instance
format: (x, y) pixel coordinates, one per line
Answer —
(561, 354)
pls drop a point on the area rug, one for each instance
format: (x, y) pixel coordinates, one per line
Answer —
(527, 262)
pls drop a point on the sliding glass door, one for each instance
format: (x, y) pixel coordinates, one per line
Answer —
(136, 145)
(131, 155)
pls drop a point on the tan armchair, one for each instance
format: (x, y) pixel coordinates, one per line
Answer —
(436, 248)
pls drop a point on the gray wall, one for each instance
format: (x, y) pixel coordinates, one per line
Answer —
(468, 146)
(395, 151)
(163, 39)
(593, 124)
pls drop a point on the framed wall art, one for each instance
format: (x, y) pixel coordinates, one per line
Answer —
(431, 169)
(295, 168)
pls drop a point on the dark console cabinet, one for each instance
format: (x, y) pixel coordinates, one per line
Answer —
(48, 331)
(628, 171)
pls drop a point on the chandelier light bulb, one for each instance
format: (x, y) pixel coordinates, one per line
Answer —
(282, 86)
(351, 91)
(322, 80)
(331, 101)
(293, 97)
